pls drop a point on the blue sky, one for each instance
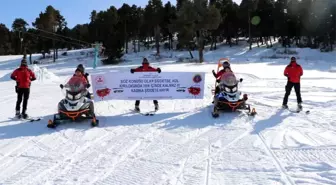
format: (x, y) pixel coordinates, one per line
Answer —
(74, 11)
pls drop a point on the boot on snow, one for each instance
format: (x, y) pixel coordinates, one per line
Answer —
(25, 116)
(137, 109)
(299, 106)
(285, 106)
(17, 114)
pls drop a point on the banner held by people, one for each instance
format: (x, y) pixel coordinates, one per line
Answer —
(148, 86)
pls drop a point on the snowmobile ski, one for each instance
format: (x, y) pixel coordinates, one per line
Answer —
(32, 119)
(56, 123)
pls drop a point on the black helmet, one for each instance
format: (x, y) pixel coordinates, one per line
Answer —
(81, 68)
(226, 64)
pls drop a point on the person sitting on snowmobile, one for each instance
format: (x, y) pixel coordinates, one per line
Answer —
(218, 76)
(78, 74)
(146, 68)
(226, 68)
(81, 69)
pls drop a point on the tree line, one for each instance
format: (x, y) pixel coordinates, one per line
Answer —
(304, 23)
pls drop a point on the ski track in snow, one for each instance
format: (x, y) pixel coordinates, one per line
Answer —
(182, 144)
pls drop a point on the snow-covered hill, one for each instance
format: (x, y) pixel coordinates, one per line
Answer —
(182, 143)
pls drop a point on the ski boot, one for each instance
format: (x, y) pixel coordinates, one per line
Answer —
(285, 106)
(137, 109)
(24, 115)
(299, 107)
(17, 114)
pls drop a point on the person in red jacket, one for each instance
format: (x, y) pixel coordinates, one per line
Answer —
(293, 72)
(80, 68)
(226, 68)
(23, 77)
(218, 76)
(146, 68)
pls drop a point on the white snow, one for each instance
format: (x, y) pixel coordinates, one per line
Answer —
(182, 143)
(42, 74)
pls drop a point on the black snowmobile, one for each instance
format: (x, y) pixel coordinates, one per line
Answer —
(75, 106)
(229, 98)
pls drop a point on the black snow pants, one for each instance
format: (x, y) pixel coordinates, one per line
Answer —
(289, 87)
(22, 93)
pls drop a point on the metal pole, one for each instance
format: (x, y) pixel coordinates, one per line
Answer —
(96, 56)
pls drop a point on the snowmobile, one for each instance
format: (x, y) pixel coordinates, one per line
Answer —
(229, 98)
(75, 106)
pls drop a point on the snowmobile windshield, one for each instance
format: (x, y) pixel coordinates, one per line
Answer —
(75, 85)
(228, 79)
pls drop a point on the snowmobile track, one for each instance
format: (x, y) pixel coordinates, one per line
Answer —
(123, 156)
(68, 160)
(307, 155)
(276, 160)
(208, 166)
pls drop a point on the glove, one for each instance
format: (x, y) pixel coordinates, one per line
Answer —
(214, 73)
(88, 85)
(159, 70)
(218, 81)
(86, 74)
(132, 70)
(61, 86)
(241, 80)
(287, 77)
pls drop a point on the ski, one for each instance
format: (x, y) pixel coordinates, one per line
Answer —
(26, 119)
(150, 113)
(298, 111)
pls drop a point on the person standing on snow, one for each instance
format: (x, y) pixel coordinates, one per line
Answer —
(146, 68)
(23, 77)
(293, 72)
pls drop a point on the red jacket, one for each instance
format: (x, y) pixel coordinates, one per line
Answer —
(145, 68)
(80, 79)
(220, 73)
(23, 77)
(294, 72)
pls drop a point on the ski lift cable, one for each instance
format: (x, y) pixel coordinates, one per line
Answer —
(54, 39)
(54, 34)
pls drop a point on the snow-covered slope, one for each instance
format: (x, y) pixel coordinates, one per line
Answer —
(182, 143)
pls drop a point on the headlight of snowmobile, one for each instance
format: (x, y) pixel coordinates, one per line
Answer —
(227, 89)
(234, 89)
(69, 96)
(78, 96)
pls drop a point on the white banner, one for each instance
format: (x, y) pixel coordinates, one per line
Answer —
(148, 86)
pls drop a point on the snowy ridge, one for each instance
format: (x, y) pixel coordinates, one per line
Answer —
(42, 74)
(182, 144)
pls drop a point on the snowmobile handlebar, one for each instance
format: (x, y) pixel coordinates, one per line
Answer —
(240, 80)
(66, 85)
